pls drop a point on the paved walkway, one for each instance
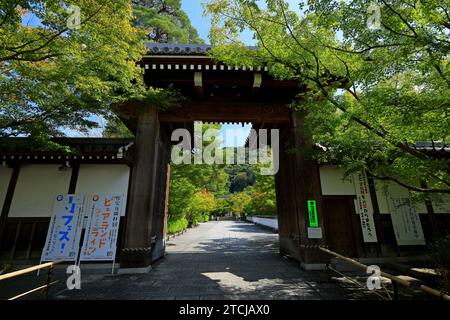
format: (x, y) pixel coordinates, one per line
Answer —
(218, 260)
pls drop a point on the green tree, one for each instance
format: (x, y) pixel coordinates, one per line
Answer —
(240, 176)
(203, 176)
(200, 206)
(262, 195)
(180, 194)
(165, 21)
(57, 73)
(240, 201)
(372, 93)
(193, 186)
(115, 128)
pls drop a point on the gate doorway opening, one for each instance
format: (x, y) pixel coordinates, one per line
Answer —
(216, 93)
(229, 182)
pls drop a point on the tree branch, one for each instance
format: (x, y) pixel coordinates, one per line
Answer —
(407, 186)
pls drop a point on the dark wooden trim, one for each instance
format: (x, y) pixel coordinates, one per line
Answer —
(376, 213)
(331, 197)
(8, 198)
(231, 112)
(33, 231)
(127, 209)
(74, 177)
(358, 238)
(16, 161)
(435, 231)
(18, 229)
(29, 219)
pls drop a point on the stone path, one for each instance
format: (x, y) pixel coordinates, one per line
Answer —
(218, 260)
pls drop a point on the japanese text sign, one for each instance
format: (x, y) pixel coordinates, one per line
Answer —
(63, 236)
(102, 227)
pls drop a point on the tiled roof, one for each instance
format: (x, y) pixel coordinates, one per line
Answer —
(177, 49)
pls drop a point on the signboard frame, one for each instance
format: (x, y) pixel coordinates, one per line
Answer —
(106, 209)
(405, 219)
(69, 232)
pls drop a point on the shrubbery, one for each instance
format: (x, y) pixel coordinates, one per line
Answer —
(174, 226)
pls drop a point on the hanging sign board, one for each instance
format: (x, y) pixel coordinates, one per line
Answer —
(364, 207)
(64, 232)
(314, 231)
(406, 222)
(312, 214)
(102, 228)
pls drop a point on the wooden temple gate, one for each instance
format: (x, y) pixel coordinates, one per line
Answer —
(215, 93)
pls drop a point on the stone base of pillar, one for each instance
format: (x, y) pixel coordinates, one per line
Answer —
(290, 248)
(159, 249)
(135, 258)
(134, 270)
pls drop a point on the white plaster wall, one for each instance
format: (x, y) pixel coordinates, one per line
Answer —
(5, 176)
(104, 178)
(36, 188)
(268, 222)
(332, 182)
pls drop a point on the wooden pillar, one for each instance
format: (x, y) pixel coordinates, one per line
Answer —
(307, 187)
(288, 226)
(136, 253)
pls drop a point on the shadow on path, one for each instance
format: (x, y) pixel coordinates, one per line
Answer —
(218, 260)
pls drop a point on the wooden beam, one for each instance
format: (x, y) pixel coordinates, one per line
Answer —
(227, 112)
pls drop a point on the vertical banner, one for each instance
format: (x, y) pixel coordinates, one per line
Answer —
(364, 208)
(406, 222)
(314, 231)
(64, 232)
(312, 214)
(102, 228)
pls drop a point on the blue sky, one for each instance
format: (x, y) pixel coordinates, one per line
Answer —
(194, 10)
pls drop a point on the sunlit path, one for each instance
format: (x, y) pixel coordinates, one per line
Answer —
(217, 260)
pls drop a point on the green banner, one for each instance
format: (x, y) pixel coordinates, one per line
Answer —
(312, 213)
